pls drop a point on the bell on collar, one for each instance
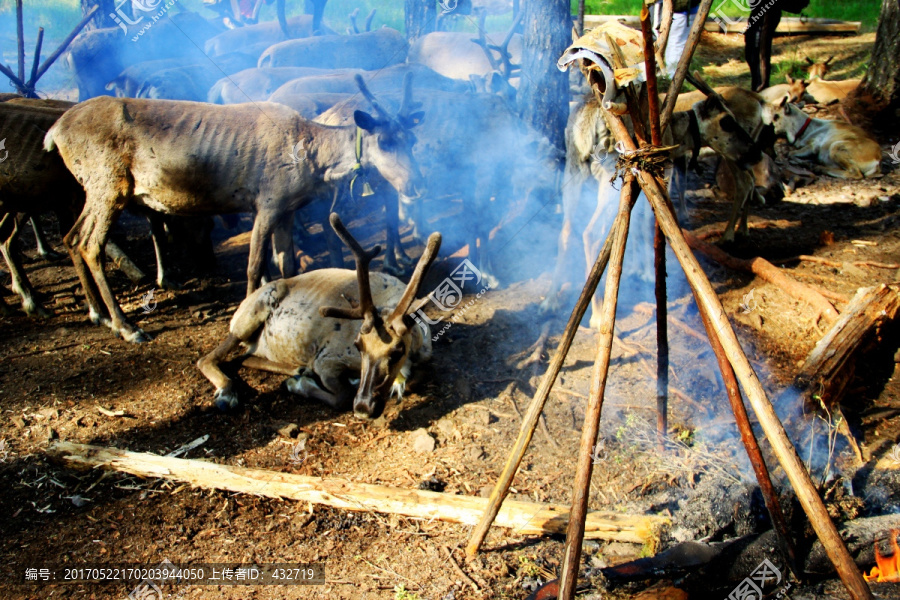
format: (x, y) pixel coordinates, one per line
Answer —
(367, 190)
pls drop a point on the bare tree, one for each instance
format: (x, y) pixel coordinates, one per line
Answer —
(543, 89)
(420, 17)
(876, 103)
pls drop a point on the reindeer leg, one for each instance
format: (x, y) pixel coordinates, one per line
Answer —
(9, 232)
(741, 180)
(283, 246)
(259, 237)
(91, 294)
(158, 233)
(396, 260)
(43, 247)
(323, 382)
(92, 233)
(225, 397)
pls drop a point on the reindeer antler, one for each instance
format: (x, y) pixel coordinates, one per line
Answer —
(367, 94)
(396, 319)
(408, 104)
(365, 310)
(369, 19)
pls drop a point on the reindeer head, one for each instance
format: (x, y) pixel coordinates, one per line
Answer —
(386, 335)
(388, 148)
(818, 70)
(797, 88)
(721, 130)
(788, 119)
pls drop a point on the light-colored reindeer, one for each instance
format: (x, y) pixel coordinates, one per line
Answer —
(187, 158)
(298, 327)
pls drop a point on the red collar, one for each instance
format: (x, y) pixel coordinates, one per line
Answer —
(802, 129)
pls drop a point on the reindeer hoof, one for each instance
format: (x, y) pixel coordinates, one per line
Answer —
(136, 337)
(225, 400)
(33, 309)
(53, 255)
(167, 284)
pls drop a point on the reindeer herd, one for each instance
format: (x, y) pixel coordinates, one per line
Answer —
(165, 130)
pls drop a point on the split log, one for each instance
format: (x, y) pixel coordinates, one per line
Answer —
(525, 518)
(830, 367)
(767, 271)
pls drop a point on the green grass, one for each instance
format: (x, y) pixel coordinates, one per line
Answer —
(866, 11)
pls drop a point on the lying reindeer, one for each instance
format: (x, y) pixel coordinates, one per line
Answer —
(822, 91)
(298, 327)
(845, 150)
(186, 158)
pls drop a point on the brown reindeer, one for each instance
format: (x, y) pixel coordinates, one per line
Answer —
(186, 158)
(298, 327)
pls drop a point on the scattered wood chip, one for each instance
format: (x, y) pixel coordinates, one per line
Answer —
(110, 413)
(863, 243)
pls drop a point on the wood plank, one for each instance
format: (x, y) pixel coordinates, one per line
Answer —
(524, 518)
(787, 26)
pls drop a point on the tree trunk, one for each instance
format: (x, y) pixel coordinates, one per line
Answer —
(102, 18)
(420, 18)
(875, 104)
(543, 89)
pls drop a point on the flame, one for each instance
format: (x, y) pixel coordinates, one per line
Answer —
(888, 568)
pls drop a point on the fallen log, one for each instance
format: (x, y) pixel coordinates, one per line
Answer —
(830, 367)
(765, 270)
(525, 518)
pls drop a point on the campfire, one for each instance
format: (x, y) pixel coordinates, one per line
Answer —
(888, 569)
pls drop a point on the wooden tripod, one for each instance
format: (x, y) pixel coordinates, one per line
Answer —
(730, 356)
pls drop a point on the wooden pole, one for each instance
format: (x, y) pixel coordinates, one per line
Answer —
(37, 59)
(684, 64)
(753, 451)
(532, 416)
(20, 41)
(659, 248)
(585, 460)
(526, 518)
(708, 302)
(579, 26)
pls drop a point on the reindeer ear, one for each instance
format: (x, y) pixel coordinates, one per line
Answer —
(365, 121)
(810, 61)
(789, 79)
(783, 101)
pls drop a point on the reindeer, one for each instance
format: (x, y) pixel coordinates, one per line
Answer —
(822, 91)
(371, 50)
(297, 327)
(845, 150)
(32, 182)
(186, 158)
(795, 88)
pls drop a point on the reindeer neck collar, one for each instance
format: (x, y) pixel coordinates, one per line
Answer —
(802, 130)
(357, 169)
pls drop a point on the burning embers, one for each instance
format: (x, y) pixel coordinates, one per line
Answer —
(888, 569)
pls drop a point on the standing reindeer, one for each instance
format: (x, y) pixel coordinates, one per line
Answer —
(298, 327)
(186, 158)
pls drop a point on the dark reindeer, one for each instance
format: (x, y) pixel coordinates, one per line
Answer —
(298, 327)
(186, 158)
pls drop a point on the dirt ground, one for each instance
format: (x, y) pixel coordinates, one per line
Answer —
(63, 378)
